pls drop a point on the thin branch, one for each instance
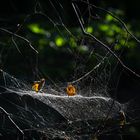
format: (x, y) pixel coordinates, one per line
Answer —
(11, 120)
(88, 73)
(16, 35)
(14, 42)
(101, 43)
(114, 16)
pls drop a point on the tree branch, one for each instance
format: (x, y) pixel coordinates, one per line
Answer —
(114, 16)
(11, 120)
(18, 36)
(101, 43)
(89, 72)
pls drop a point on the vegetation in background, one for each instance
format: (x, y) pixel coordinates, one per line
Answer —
(56, 46)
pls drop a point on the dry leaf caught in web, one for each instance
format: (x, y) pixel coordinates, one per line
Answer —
(38, 85)
(71, 90)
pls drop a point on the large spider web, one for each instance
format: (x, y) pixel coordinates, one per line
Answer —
(51, 113)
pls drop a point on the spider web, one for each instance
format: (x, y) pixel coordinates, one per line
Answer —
(51, 113)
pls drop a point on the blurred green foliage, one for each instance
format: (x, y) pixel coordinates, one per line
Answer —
(57, 41)
(109, 30)
(35, 28)
(56, 45)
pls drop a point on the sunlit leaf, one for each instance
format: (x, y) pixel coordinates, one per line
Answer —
(104, 27)
(110, 33)
(116, 28)
(89, 29)
(59, 41)
(36, 29)
(109, 17)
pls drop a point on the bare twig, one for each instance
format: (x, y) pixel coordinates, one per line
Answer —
(114, 16)
(16, 45)
(88, 73)
(101, 43)
(11, 120)
(18, 36)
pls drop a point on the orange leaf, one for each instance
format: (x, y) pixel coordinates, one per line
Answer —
(71, 90)
(38, 85)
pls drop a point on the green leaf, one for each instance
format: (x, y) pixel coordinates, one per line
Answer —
(104, 27)
(36, 29)
(89, 29)
(109, 17)
(59, 41)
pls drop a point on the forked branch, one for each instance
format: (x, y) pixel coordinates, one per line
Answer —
(114, 16)
(100, 42)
